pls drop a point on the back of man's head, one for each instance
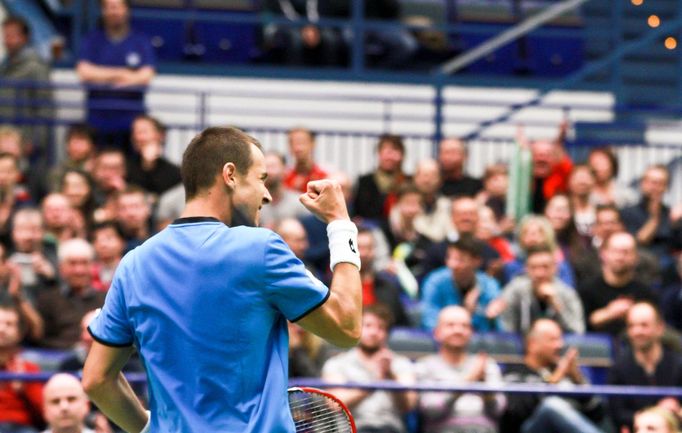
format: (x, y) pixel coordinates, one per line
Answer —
(207, 154)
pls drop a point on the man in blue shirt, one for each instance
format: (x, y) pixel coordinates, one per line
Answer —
(117, 62)
(206, 301)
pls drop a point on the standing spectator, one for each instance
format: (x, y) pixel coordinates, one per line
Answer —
(379, 287)
(543, 363)
(370, 361)
(20, 402)
(376, 192)
(646, 362)
(29, 99)
(452, 156)
(285, 203)
(434, 222)
(649, 220)
(117, 63)
(148, 167)
(65, 405)
(540, 294)
(461, 283)
(443, 412)
(63, 307)
(109, 244)
(302, 149)
(608, 297)
(133, 214)
(607, 191)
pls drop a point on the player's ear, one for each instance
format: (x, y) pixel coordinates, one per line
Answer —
(229, 173)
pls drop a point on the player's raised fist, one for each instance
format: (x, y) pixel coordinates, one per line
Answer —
(324, 198)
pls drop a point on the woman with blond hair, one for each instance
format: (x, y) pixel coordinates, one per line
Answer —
(656, 419)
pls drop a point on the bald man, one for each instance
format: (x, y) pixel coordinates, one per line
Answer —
(65, 405)
(544, 363)
(453, 364)
(452, 156)
(646, 362)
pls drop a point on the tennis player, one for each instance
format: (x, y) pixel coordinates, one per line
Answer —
(205, 302)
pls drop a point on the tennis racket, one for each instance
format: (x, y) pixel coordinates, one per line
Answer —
(317, 411)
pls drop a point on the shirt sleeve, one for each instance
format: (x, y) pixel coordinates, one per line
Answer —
(291, 288)
(111, 326)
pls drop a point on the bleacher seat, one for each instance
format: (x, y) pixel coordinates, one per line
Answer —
(412, 343)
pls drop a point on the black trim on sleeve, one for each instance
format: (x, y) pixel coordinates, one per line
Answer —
(329, 292)
(107, 343)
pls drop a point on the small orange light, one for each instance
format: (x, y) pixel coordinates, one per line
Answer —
(654, 21)
(637, 2)
(670, 43)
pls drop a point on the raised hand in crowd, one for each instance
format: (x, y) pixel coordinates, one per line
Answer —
(567, 368)
(477, 373)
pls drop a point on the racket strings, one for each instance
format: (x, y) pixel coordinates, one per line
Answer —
(317, 414)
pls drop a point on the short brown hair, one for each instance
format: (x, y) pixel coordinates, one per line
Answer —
(392, 140)
(209, 151)
(381, 311)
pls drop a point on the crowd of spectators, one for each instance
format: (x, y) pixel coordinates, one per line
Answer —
(540, 246)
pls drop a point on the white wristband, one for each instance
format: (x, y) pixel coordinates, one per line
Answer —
(149, 422)
(343, 243)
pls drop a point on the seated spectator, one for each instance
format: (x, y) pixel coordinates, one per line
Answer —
(656, 420)
(65, 405)
(379, 287)
(543, 363)
(294, 235)
(170, 206)
(109, 244)
(13, 293)
(133, 215)
(307, 352)
(607, 191)
(580, 185)
(671, 299)
(148, 168)
(649, 220)
(376, 192)
(574, 246)
(58, 217)
(80, 153)
(540, 294)
(443, 412)
(371, 361)
(461, 283)
(434, 222)
(109, 174)
(285, 203)
(607, 298)
(537, 231)
(408, 207)
(63, 307)
(427, 256)
(646, 362)
(489, 231)
(36, 259)
(20, 402)
(13, 195)
(452, 156)
(301, 45)
(494, 193)
(78, 187)
(301, 148)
